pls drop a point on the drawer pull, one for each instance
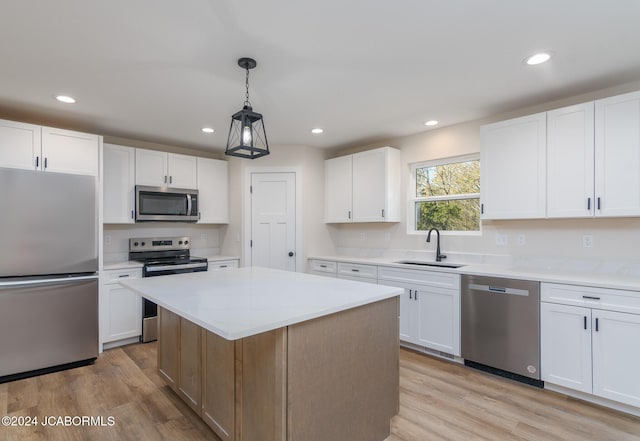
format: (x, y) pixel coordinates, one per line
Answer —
(323, 266)
(223, 266)
(123, 275)
(355, 270)
(591, 297)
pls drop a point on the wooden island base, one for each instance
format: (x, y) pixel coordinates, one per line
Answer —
(331, 378)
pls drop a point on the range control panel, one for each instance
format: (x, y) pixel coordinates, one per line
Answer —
(159, 243)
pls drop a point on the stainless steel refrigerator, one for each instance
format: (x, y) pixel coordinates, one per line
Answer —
(48, 272)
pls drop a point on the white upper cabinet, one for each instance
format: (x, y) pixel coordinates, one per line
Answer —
(363, 187)
(617, 155)
(213, 191)
(338, 175)
(513, 160)
(158, 169)
(64, 151)
(118, 182)
(33, 147)
(19, 145)
(570, 170)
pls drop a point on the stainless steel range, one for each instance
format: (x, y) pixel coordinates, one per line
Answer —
(162, 256)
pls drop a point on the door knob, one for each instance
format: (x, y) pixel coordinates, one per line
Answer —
(290, 253)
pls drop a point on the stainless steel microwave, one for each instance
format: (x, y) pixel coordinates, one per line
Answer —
(164, 204)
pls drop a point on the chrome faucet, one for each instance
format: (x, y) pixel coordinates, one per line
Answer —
(439, 256)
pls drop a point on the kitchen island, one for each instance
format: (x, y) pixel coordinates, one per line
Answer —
(264, 354)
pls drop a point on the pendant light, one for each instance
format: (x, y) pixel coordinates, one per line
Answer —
(247, 137)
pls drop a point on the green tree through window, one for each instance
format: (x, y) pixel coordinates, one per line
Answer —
(447, 195)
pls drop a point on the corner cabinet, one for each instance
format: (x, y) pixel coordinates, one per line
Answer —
(513, 159)
(363, 187)
(158, 169)
(589, 340)
(213, 188)
(48, 149)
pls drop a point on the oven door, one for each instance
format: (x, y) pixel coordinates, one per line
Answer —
(166, 204)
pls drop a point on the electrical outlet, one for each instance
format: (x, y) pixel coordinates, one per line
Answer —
(587, 241)
(522, 240)
(107, 239)
(387, 236)
(203, 237)
(363, 235)
(502, 240)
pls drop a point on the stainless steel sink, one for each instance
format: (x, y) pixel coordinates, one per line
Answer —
(423, 263)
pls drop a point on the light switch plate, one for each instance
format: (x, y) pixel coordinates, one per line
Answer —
(502, 240)
(587, 241)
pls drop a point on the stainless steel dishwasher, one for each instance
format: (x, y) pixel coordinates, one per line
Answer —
(501, 326)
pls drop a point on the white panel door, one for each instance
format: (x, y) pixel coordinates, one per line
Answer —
(570, 161)
(616, 356)
(513, 177)
(182, 171)
(19, 145)
(273, 220)
(369, 185)
(439, 322)
(151, 168)
(338, 174)
(65, 151)
(118, 184)
(565, 346)
(617, 155)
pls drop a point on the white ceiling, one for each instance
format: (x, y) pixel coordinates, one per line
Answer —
(160, 70)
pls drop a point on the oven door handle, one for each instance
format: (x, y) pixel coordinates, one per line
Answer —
(153, 269)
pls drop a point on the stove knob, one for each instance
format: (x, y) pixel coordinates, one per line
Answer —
(142, 244)
(135, 244)
(186, 242)
(180, 243)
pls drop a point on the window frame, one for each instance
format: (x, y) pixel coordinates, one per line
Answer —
(412, 199)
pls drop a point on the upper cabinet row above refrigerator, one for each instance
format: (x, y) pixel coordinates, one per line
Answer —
(32, 147)
(125, 167)
(577, 161)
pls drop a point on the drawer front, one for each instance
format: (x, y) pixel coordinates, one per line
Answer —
(357, 270)
(323, 266)
(222, 264)
(423, 277)
(114, 276)
(323, 274)
(590, 297)
(358, 278)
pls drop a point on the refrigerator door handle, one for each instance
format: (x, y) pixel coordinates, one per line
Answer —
(35, 282)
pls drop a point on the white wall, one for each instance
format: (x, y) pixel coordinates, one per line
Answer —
(310, 162)
(613, 239)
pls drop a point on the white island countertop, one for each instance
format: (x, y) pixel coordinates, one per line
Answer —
(241, 302)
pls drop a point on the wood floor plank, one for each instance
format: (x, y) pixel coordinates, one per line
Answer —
(439, 400)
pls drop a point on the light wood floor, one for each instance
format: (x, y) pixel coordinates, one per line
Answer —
(438, 401)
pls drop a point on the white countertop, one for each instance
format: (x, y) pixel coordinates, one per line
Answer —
(600, 275)
(240, 302)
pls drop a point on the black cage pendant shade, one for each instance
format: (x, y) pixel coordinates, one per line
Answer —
(247, 137)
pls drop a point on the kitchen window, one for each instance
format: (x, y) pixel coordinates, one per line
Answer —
(445, 194)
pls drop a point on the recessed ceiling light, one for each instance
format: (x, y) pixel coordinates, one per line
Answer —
(207, 130)
(317, 130)
(65, 99)
(432, 122)
(538, 58)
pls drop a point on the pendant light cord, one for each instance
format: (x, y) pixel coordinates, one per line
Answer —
(246, 101)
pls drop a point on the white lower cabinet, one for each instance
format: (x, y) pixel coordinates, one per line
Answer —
(120, 308)
(222, 264)
(589, 340)
(429, 307)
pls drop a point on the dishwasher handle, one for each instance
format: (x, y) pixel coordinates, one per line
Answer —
(499, 289)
